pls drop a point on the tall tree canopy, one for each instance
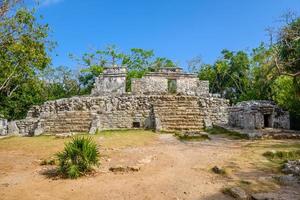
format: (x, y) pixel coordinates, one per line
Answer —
(267, 72)
(138, 61)
(24, 49)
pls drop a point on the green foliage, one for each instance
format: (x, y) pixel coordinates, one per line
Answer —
(216, 130)
(285, 93)
(78, 157)
(260, 77)
(282, 156)
(186, 137)
(94, 63)
(240, 76)
(288, 45)
(23, 54)
(228, 75)
(59, 82)
(138, 62)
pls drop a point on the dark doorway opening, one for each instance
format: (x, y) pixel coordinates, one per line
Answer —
(136, 125)
(267, 120)
(172, 86)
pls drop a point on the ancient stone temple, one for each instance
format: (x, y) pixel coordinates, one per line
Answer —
(257, 115)
(166, 100)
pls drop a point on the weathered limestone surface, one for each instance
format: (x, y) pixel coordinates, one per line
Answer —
(214, 109)
(157, 83)
(179, 113)
(257, 115)
(111, 82)
(89, 114)
(150, 105)
(3, 126)
(165, 100)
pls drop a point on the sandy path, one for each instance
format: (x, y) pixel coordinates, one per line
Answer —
(170, 170)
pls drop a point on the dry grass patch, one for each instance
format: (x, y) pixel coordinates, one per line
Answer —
(125, 138)
(216, 130)
(44, 147)
(41, 145)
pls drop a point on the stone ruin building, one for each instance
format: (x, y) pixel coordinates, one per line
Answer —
(258, 115)
(166, 100)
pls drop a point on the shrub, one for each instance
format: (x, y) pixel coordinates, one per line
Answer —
(217, 130)
(282, 156)
(187, 137)
(78, 157)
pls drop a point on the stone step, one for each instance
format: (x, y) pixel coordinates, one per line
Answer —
(178, 112)
(183, 122)
(67, 123)
(182, 129)
(178, 120)
(190, 103)
(71, 115)
(194, 103)
(68, 120)
(69, 127)
(65, 130)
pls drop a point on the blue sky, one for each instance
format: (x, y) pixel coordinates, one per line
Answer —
(177, 29)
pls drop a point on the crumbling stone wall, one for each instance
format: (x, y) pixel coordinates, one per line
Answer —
(111, 82)
(192, 86)
(257, 115)
(150, 85)
(110, 107)
(87, 114)
(157, 83)
(215, 110)
(3, 126)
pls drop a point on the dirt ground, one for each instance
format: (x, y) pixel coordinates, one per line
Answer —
(170, 169)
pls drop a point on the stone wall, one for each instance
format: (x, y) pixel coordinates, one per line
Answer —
(3, 126)
(111, 82)
(157, 83)
(215, 110)
(150, 85)
(192, 86)
(87, 114)
(109, 107)
(257, 115)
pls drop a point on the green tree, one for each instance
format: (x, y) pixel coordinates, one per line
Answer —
(287, 49)
(286, 61)
(138, 62)
(24, 47)
(228, 75)
(260, 76)
(93, 64)
(59, 83)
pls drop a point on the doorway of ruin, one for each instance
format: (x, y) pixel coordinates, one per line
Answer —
(136, 125)
(267, 121)
(172, 86)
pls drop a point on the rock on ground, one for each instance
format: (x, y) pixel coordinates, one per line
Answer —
(237, 193)
(292, 167)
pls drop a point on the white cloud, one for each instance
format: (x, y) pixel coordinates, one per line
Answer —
(45, 3)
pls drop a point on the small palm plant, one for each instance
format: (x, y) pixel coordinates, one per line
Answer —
(78, 157)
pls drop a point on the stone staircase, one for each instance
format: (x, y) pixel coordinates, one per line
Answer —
(178, 113)
(68, 121)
